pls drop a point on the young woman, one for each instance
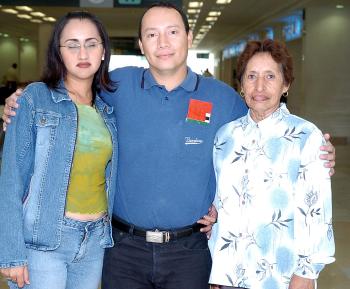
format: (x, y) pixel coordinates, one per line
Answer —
(59, 166)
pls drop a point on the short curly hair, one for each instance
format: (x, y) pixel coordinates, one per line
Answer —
(278, 52)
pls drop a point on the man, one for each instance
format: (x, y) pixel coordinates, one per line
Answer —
(167, 117)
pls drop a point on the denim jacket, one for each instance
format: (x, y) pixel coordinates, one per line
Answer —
(37, 159)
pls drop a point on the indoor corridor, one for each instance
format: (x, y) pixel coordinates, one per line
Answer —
(313, 30)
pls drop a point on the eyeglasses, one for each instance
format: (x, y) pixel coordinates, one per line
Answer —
(74, 47)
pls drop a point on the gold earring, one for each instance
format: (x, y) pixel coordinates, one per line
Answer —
(242, 93)
(285, 94)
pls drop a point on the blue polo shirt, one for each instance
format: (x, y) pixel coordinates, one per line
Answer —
(165, 171)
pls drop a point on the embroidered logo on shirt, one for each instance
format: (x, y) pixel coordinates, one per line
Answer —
(191, 141)
(199, 111)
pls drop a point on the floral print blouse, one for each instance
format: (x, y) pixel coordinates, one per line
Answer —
(274, 203)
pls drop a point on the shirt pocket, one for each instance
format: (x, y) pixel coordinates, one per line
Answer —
(196, 141)
(46, 123)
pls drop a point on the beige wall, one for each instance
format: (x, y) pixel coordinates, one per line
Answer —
(30, 56)
(28, 62)
(296, 91)
(321, 91)
(326, 69)
(44, 33)
(8, 54)
(23, 53)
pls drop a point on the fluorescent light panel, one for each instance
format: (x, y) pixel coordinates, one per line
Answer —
(210, 19)
(195, 4)
(10, 10)
(24, 16)
(37, 14)
(24, 8)
(223, 1)
(214, 13)
(193, 11)
(50, 19)
(36, 21)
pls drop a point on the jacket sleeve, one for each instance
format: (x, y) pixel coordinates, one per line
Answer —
(16, 170)
(313, 211)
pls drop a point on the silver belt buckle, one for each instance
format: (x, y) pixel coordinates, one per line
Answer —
(157, 236)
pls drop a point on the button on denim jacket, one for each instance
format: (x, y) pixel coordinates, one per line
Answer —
(38, 153)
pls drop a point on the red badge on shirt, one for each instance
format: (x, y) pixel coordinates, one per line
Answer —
(199, 111)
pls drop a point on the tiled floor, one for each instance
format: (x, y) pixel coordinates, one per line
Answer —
(336, 275)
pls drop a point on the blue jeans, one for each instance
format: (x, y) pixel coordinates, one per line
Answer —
(75, 264)
(136, 264)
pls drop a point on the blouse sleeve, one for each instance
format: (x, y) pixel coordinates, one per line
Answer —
(313, 229)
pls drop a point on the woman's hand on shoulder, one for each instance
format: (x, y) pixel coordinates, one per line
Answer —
(19, 275)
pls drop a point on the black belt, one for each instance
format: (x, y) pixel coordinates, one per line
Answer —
(156, 236)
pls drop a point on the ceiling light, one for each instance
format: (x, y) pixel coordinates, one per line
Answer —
(214, 13)
(192, 21)
(223, 1)
(36, 21)
(195, 4)
(193, 11)
(5, 35)
(37, 14)
(24, 8)
(209, 19)
(24, 16)
(9, 10)
(339, 6)
(50, 19)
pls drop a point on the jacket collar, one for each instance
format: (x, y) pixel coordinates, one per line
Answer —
(61, 94)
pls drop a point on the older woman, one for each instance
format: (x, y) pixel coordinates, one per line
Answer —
(273, 193)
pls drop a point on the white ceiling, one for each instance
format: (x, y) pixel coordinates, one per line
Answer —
(237, 19)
